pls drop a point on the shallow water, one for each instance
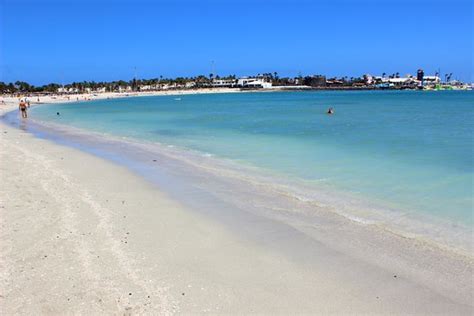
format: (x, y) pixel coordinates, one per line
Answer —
(409, 151)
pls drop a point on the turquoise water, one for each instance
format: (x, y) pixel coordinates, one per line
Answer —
(409, 150)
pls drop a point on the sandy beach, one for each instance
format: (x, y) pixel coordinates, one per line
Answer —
(11, 101)
(82, 235)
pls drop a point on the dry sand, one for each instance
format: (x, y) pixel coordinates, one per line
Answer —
(8, 101)
(80, 235)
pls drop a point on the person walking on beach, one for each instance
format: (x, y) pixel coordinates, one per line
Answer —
(22, 108)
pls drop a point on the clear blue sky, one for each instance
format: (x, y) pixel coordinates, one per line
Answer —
(65, 41)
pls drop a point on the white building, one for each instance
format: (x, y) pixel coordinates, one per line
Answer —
(168, 86)
(224, 82)
(68, 90)
(401, 81)
(431, 79)
(145, 87)
(253, 83)
(395, 81)
(124, 89)
(190, 84)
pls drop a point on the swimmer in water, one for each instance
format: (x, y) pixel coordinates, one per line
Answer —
(330, 111)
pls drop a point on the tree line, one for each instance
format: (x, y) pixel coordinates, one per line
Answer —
(198, 82)
(25, 87)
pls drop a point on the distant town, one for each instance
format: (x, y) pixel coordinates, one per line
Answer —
(257, 82)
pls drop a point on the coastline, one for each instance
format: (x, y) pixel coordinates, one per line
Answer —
(11, 102)
(402, 278)
(400, 220)
(298, 198)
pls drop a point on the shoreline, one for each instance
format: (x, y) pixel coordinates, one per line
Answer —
(443, 233)
(10, 102)
(447, 235)
(9, 99)
(410, 263)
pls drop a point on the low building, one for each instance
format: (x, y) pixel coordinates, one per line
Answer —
(334, 82)
(252, 82)
(408, 82)
(146, 87)
(228, 83)
(125, 89)
(400, 81)
(190, 84)
(431, 80)
(68, 90)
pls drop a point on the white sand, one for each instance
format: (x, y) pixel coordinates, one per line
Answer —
(9, 101)
(80, 235)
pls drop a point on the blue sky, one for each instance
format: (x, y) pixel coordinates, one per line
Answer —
(65, 41)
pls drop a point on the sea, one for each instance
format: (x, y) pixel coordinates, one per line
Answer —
(399, 159)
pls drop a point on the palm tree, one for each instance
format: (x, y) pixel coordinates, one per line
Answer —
(11, 88)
